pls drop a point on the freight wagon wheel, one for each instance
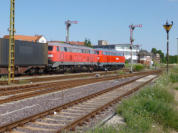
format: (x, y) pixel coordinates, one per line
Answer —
(31, 71)
(41, 71)
(106, 69)
(91, 69)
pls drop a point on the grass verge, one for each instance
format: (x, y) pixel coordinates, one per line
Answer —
(153, 104)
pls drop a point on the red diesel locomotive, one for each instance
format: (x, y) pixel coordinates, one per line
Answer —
(65, 56)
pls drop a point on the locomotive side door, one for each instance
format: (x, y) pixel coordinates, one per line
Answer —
(108, 57)
(61, 54)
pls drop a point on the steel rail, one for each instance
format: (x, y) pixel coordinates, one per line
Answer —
(81, 120)
(58, 77)
(39, 84)
(65, 85)
(9, 127)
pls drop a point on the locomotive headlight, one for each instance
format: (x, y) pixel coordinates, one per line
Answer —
(50, 55)
(117, 58)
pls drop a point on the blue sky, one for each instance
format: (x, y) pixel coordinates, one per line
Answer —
(98, 20)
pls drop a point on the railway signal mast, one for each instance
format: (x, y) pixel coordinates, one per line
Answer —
(168, 27)
(132, 27)
(11, 68)
(177, 50)
(68, 24)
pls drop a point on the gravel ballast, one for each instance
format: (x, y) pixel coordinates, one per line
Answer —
(18, 110)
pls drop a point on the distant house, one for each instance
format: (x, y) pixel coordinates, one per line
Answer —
(102, 42)
(76, 43)
(145, 57)
(36, 38)
(156, 58)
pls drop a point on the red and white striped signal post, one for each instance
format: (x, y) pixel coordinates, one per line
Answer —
(132, 27)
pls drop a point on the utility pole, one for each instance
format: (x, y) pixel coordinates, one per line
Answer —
(168, 27)
(177, 50)
(11, 67)
(68, 24)
(132, 27)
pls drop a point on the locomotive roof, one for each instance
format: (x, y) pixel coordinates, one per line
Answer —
(106, 50)
(68, 45)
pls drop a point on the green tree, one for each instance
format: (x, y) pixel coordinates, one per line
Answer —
(162, 57)
(172, 59)
(154, 51)
(87, 43)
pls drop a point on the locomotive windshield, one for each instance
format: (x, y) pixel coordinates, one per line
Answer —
(50, 48)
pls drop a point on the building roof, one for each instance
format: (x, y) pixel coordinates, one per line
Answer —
(104, 46)
(144, 53)
(25, 38)
(111, 46)
(56, 42)
(107, 50)
(76, 43)
(124, 45)
(68, 45)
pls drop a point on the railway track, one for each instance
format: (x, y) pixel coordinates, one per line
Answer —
(11, 94)
(75, 113)
(35, 79)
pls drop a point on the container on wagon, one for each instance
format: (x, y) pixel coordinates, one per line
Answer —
(26, 53)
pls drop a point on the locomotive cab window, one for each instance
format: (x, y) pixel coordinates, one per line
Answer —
(50, 48)
(65, 49)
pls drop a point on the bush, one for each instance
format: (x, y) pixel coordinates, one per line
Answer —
(136, 118)
(156, 93)
(176, 88)
(138, 67)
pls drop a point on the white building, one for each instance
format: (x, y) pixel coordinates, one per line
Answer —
(125, 49)
(102, 42)
(42, 39)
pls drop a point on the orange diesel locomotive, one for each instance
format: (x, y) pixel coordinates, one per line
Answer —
(65, 56)
(110, 59)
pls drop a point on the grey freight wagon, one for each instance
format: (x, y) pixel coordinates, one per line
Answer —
(27, 54)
